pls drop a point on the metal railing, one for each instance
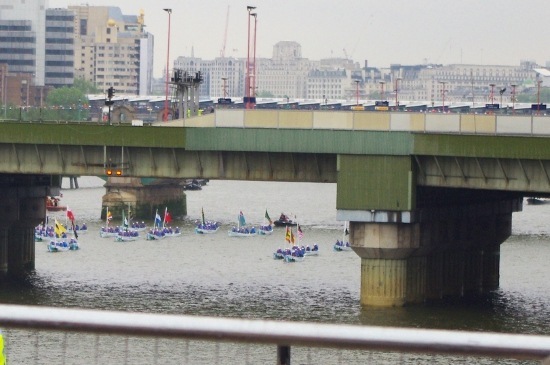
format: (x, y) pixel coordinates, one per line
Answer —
(279, 333)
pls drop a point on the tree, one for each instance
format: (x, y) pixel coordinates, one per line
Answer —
(86, 86)
(264, 94)
(66, 103)
(532, 97)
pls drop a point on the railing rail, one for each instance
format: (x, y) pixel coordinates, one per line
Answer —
(282, 334)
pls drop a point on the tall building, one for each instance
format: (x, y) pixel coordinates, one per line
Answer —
(59, 60)
(22, 37)
(113, 49)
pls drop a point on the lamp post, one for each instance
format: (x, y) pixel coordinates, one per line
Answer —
(357, 92)
(382, 95)
(224, 87)
(396, 92)
(492, 94)
(443, 93)
(254, 87)
(248, 66)
(165, 115)
(513, 98)
(538, 96)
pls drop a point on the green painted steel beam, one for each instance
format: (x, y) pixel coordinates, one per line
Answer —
(513, 147)
(92, 135)
(375, 182)
(299, 140)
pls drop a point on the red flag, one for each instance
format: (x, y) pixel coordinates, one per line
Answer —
(167, 217)
(70, 214)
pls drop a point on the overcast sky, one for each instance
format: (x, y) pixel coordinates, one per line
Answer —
(383, 32)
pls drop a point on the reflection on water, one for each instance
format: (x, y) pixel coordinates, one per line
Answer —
(217, 275)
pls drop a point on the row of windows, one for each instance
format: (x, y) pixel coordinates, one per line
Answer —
(15, 28)
(18, 62)
(17, 39)
(64, 18)
(59, 41)
(60, 63)
(66, 75)
(61, 52)
(60, 29)
(17, 51)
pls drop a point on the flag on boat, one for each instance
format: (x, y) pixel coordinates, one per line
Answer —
(203, 221)
(109, 216)
(289, 236)
(158, 220)
(300, 233)
(242, 221)
(167, 216)
(346, 232)
(59, 229)
(70, 214)
(268, 218)
(124, 220)
(74, 232)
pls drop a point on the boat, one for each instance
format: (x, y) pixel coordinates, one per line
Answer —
(57, 245)
(74, 229)
(535, 201)
(127, 236)
(106, 232)
(52, 204)
(284, 221)
(155, 233)
(242, 230)
(343, 245)
(267, 227)
(294, 254)
(192, 185)
(206, 227)
(137, 227)
(311, 251)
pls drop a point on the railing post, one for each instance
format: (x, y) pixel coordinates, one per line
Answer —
(283, 355)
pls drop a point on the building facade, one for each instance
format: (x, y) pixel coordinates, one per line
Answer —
(109, 50)
(59, 55)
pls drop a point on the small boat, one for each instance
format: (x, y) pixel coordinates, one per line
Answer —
(155, 235)
(242, 230)
(127, 236)
(172, 232)
(535, 201)
(192, 185)
(343, 245)
(206, 227)
(52, 204)
(311, 251)
(265, 230)
(284, 221)
(267, 227)
(62, 245)
(296, 254)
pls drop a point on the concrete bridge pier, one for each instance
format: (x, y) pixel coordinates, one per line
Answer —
(442, 252)
(23, 208)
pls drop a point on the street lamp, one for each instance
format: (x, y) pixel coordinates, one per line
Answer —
(248, 66)
(396, 92)
(382, 95)
(443, 93)
(165, 115)
(538, 96)
(492, 94)
(513, 98)
(357, 92)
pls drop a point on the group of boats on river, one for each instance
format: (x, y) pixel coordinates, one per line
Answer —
(64, 237)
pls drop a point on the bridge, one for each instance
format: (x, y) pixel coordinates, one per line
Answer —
(429, 197)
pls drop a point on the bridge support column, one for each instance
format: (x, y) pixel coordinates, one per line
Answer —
(443, 251)
(144, 199)
(22, 209)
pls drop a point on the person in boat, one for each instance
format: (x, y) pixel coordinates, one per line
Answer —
(253, 230)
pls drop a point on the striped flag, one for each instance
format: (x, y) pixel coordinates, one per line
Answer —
(300, 233)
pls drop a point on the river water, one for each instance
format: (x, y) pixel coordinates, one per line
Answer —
(218, 275)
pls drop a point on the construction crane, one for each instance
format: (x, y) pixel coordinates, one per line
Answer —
(222, 51)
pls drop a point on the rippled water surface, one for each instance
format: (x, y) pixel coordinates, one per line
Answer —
(218, 275)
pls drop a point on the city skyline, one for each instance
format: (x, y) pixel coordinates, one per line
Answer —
(490, 32)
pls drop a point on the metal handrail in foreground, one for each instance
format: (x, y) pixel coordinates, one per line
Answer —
(282, 334)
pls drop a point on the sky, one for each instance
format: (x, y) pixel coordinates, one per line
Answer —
(384, 32)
